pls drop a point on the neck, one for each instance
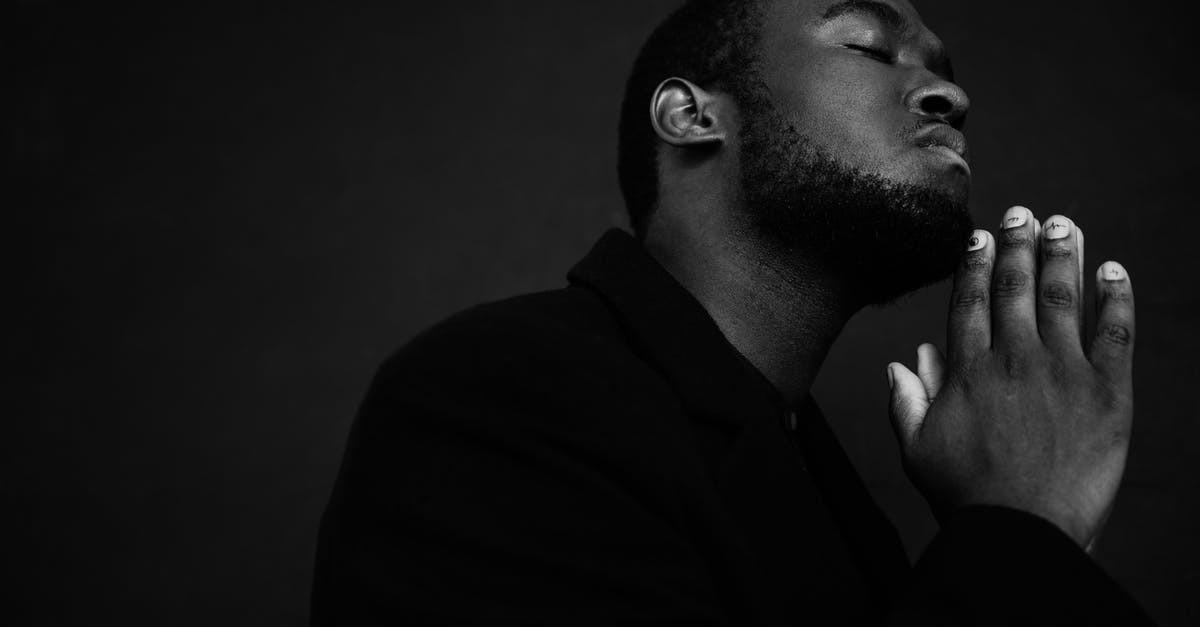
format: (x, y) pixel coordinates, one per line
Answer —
(782, 314)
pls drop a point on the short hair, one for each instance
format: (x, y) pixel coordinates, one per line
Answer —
(712, 43)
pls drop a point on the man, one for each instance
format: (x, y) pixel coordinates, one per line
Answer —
(641, 445)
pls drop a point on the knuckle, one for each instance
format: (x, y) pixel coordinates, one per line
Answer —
(1059, 251)
(1114, 334)
(1014, 366)
(1118, 296)
(1011, 283)
(1015, 239)
(1057, 295)
(1110, 398)
(975, 262)
(962, 379)
(970, 298)
(1058, 370)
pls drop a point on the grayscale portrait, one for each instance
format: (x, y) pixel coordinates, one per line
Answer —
(671, 312)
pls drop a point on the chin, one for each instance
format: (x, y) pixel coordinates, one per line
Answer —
(958, 182)
(954, 182)
(957, 188)
(862, 223)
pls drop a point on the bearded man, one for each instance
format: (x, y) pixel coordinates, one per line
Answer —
(641, 446)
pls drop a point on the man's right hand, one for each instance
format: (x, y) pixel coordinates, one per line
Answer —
(1021, 414)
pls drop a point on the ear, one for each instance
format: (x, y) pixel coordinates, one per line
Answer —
(686, 116)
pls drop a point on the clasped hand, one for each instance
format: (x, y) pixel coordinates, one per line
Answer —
(1022, 412)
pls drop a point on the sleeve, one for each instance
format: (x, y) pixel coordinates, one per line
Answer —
(481, 485)
(999, 566)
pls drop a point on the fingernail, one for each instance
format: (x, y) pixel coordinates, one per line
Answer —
(891, 378)
(1057, 227)
(1112, 271)
(1015, 217)
(978, 241)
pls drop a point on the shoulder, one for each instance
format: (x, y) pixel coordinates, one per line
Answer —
(532, 331)
(548, 375)
(542, 352)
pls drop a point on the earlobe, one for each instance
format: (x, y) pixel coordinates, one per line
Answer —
(685, 115)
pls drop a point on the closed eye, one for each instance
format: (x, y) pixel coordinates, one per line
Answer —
(874, 53)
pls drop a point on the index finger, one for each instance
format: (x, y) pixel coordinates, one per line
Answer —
(969, 331)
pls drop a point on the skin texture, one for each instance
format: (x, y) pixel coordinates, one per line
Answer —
(868, 109)
(1021, 413)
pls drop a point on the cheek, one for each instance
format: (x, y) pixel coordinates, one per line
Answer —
(849, 114)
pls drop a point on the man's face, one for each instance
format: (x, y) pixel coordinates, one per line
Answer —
(850, 147)
(868, 84)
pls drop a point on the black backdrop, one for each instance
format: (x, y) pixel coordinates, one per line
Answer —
(233, 215)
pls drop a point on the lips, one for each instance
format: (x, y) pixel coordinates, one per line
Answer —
(940, 134)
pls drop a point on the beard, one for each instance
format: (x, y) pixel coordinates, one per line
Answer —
(882, 238)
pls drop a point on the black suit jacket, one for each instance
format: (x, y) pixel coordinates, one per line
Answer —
(600, 454)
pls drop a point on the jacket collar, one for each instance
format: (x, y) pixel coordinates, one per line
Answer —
(672, 331)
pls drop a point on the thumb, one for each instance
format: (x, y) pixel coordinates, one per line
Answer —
(909, 403)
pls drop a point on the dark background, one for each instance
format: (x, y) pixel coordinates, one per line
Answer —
(225, 218)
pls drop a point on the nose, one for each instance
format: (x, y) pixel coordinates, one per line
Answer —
(940, 99)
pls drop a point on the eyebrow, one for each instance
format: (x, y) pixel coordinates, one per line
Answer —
(883, 12)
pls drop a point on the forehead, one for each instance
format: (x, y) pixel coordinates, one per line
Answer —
(789, 19)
